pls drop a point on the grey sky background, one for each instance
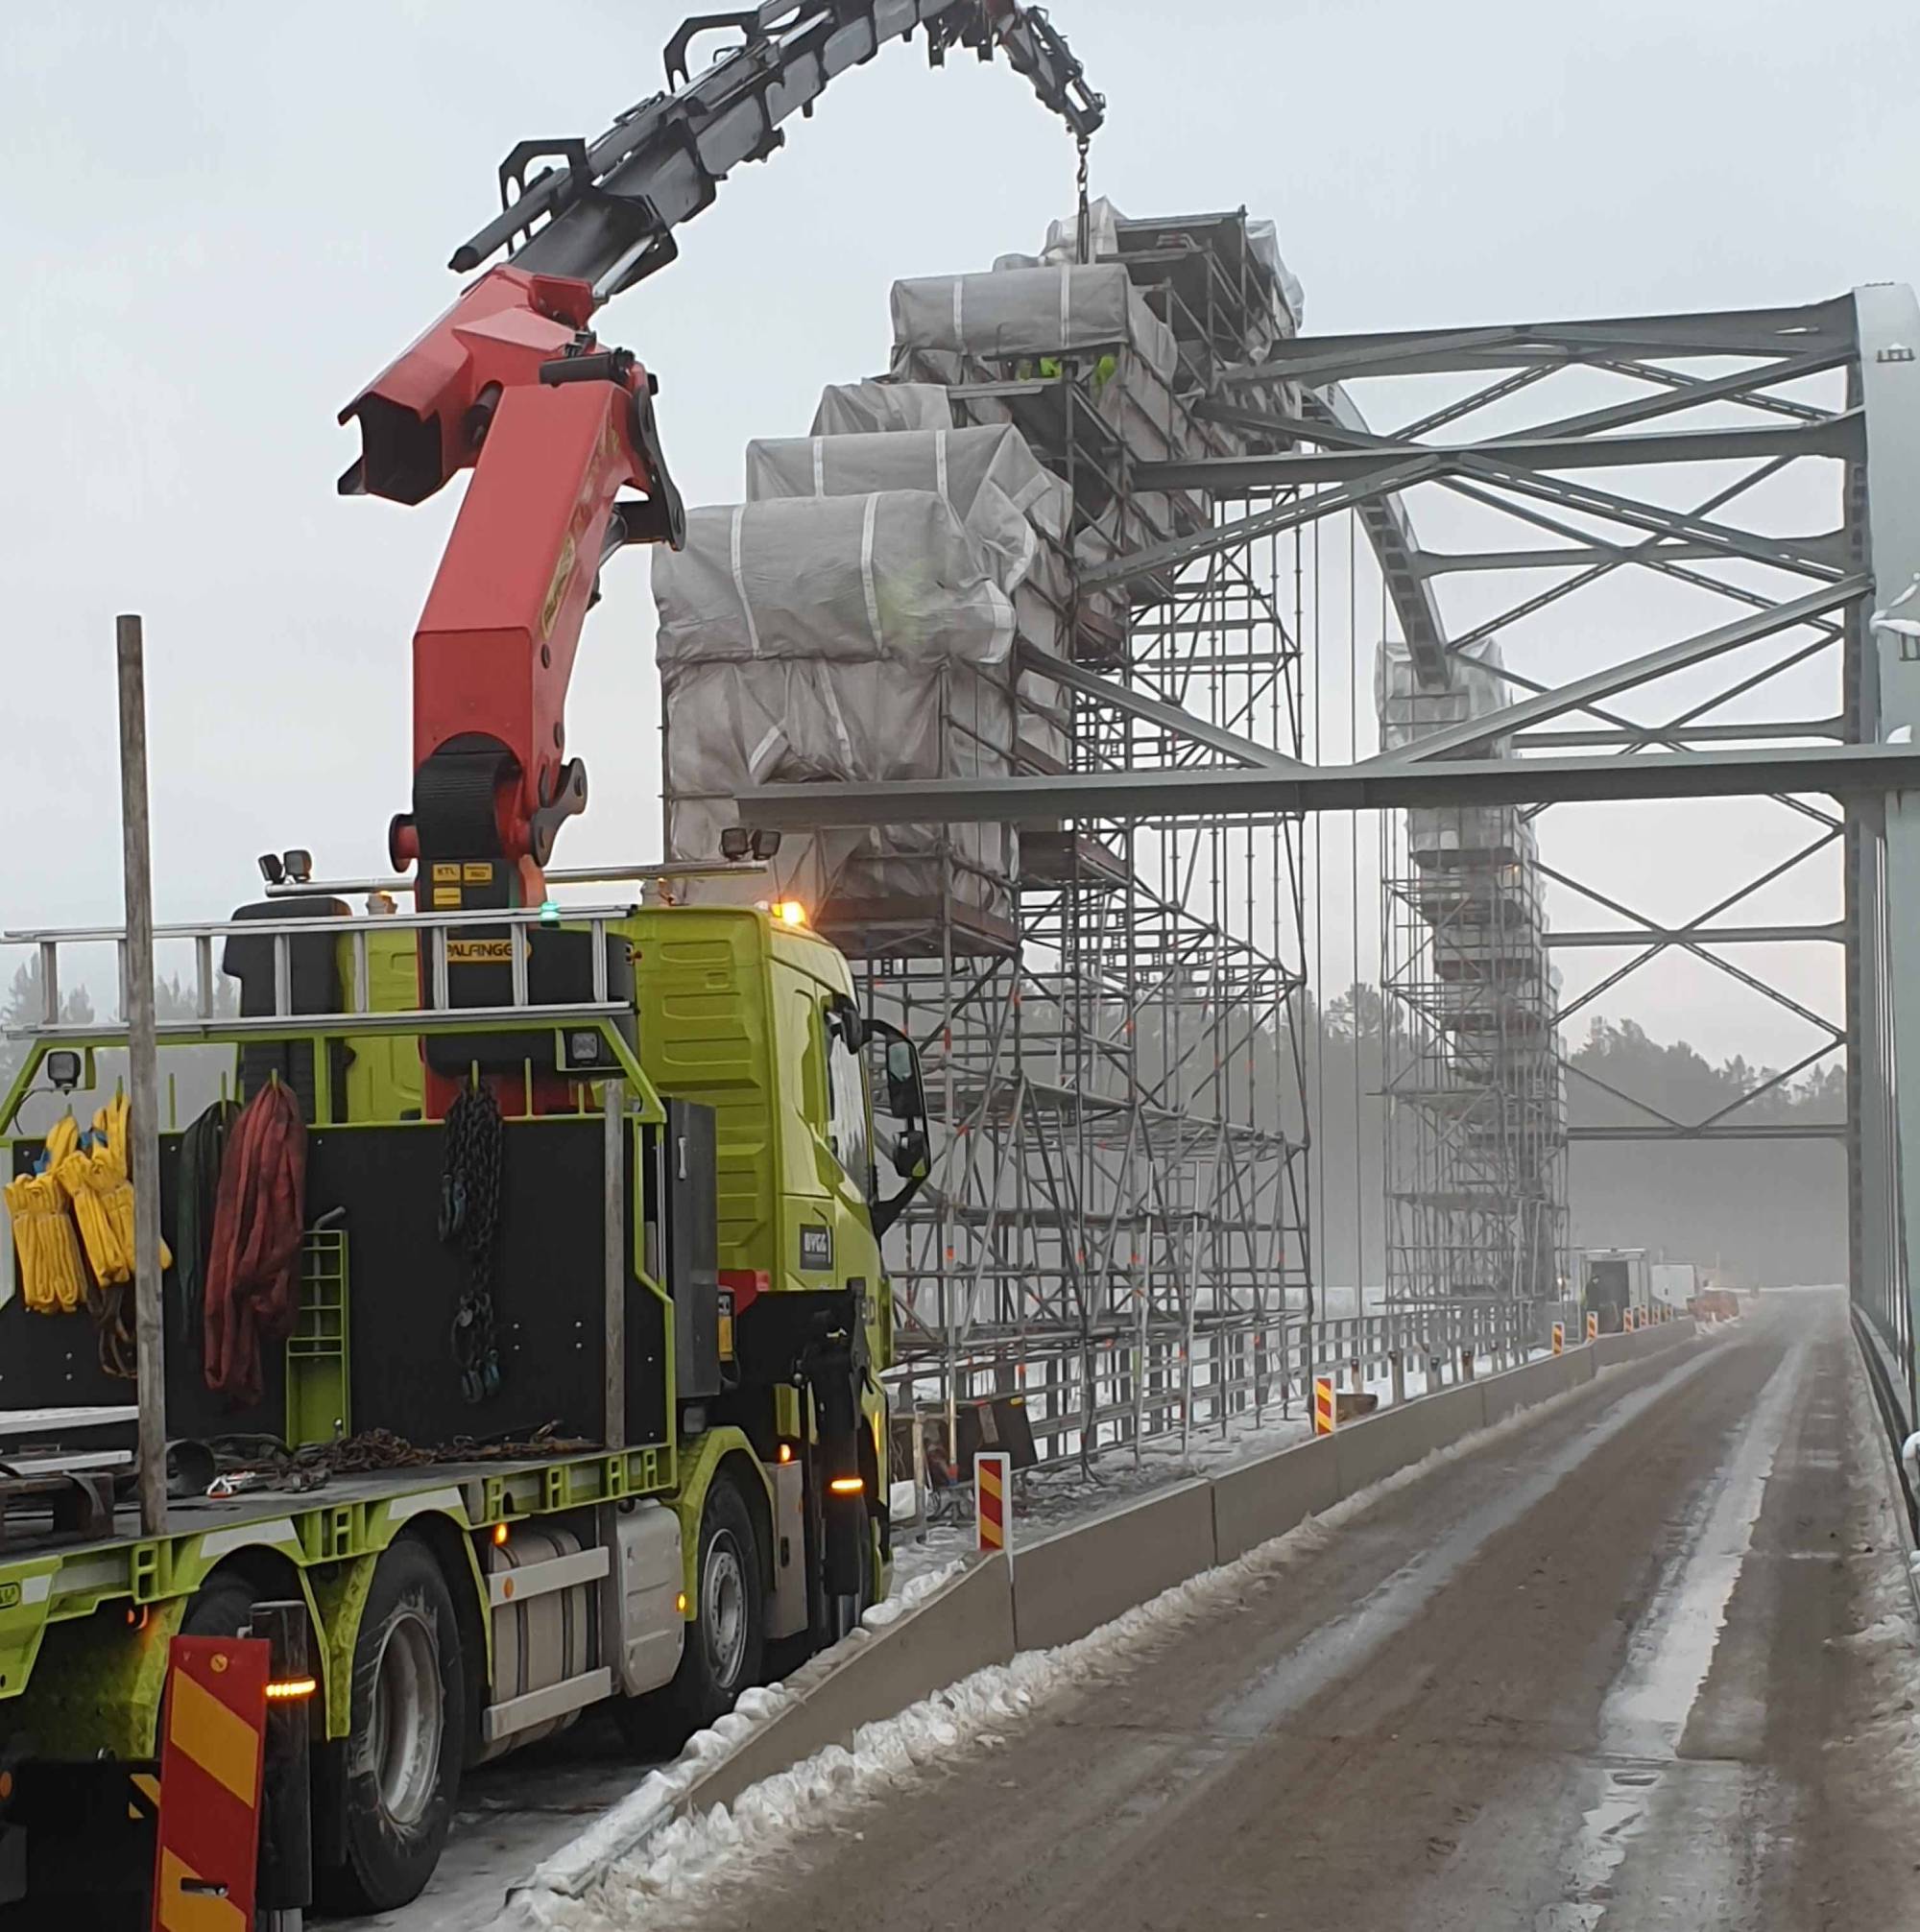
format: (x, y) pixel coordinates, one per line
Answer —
(221, 220)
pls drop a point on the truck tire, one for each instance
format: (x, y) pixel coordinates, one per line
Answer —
(398, 1776)
(223, 1606)
(726, 1641)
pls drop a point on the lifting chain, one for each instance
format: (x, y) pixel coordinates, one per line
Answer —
(469, 1220)
(1081, 143)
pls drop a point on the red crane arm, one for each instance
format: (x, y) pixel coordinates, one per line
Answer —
(512, 384)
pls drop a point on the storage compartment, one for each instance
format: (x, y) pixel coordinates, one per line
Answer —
(641, 1617)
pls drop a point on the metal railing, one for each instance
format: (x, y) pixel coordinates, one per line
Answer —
(358, 1015)
(1107, 1394)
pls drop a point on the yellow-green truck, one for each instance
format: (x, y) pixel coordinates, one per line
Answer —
(581, 1402)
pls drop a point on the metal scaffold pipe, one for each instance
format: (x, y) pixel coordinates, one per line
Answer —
(143, 1075)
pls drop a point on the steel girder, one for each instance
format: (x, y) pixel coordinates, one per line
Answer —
(1883, 873)
(1239, 792)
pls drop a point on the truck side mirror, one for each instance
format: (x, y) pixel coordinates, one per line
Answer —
(906, 1093)
(905, 1103)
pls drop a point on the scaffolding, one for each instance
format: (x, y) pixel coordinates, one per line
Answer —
(1115, 1228)
(1476, 1123)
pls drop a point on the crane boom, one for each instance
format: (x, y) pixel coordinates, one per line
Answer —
(513, 384)
(606, 215)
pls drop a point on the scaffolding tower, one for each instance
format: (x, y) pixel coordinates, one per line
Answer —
(1476, 1125)
(1116, 1226)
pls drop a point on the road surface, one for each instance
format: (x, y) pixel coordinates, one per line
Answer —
(1582, 1678)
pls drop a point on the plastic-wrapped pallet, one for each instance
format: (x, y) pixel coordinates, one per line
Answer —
(941, 323)
(859, 408)
(857, 637)
(1004, 495)
(1000, 493)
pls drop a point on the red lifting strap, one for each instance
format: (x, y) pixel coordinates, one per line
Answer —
(252, 1273)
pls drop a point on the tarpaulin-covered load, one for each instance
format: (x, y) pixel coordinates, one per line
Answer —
(992, 482)
(1009, 313)
(1027, 317)
(860, 638)
(857, 408)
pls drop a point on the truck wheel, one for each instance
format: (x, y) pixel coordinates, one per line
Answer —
(400, 1772)
(222, 1607)
(725, 1643)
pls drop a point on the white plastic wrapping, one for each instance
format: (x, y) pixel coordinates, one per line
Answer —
(856, 407)
(858, 637)
(1005, 496)
(1032, 311)
(988, 477)
(889, 576)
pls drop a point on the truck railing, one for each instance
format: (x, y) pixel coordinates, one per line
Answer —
(431, 1010)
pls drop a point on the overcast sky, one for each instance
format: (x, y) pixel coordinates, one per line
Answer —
(221, 220)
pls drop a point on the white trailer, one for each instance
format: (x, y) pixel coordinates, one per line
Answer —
(1674, 1285)
(1612, 1279)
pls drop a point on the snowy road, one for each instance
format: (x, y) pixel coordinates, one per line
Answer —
(1598, 1673)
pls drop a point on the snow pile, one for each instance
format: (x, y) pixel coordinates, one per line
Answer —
(915, 1590)
(642, 1812)
(638, 1816)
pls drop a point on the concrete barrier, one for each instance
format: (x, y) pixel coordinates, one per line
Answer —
(958, 1630)
(1384, 1443)
(1640, 1344)
(1271, 1494)
(1521, 1388)
(1076, 1580)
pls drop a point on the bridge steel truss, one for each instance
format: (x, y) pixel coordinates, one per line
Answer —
(1696, 538)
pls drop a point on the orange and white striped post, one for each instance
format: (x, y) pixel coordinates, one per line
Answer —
(1628, 1320)
(207, 1846)
(1559, 1338)
(1326, 1406)
(1593, 1324)
(992, 1476)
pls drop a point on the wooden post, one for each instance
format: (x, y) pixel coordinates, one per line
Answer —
(143, 1078)
(615, 1252)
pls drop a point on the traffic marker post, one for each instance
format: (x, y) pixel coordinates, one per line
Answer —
(991, 1474)
(1592, 1326)
(1560, 1337)
(207, 1848)
(1326, 1406)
